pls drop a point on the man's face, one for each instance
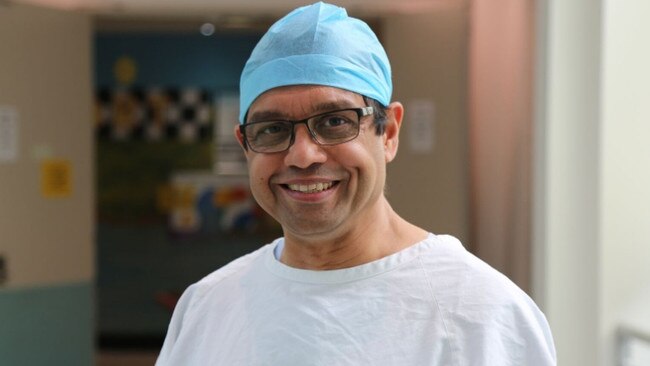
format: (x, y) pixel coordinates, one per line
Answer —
(319, 192)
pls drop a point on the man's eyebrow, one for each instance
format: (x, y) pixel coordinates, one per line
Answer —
(268, 115)
(275, 114)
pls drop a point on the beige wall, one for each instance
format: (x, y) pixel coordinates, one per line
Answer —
(625, 170)
(428, 53)
(592, 228)
(45, 74)
(566, 205)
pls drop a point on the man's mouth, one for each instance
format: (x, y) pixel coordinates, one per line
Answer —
(310, 188)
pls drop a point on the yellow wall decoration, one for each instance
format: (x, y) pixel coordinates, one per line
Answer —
(56, 178)
(125, 70)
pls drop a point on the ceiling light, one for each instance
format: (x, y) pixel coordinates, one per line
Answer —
(207, 29)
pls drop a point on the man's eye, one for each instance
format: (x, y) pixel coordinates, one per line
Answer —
(272, 129)
(269, 129)
(334, 121)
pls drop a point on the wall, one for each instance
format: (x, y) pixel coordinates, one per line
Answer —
(175, 59)
(625, 168)
(428, 53)
(45, 75)
(591, 197)
(566, 183)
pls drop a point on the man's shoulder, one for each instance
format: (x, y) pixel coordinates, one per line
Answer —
(453, 268)
(484, 308)
(461, 283)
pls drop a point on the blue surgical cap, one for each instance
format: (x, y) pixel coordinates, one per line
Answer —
(317, 44)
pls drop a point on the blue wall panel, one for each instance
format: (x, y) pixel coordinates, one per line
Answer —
(50, 325)
(175, 60)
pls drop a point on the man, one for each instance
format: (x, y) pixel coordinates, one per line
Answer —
(351, 282)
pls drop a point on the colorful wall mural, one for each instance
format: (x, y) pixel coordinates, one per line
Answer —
(165, 218)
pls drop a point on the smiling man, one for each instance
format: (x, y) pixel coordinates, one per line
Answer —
(351, 282)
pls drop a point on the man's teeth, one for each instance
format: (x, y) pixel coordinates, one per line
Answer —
(310, 188)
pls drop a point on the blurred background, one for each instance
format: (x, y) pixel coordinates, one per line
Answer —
(121, 183)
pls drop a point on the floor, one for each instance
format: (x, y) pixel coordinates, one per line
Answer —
(126, 358)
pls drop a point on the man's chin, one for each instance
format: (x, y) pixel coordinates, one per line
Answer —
(312, 231)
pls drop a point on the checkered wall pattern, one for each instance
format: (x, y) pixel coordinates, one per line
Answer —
(154, 114)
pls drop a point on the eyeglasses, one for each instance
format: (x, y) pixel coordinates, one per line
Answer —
(330, 128)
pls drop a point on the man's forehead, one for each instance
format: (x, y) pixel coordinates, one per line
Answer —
(298, 101)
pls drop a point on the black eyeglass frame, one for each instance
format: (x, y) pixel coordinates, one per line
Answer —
(361, 112)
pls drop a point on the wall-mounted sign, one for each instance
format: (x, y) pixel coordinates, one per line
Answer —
(56, 178)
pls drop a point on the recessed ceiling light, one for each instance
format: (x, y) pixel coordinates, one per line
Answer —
(207, 29)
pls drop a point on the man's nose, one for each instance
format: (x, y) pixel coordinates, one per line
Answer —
(305, 151)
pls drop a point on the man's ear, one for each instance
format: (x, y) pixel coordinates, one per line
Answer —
(394, 116)
(240, 138)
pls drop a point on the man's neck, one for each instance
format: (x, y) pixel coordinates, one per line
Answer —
(378, 235)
